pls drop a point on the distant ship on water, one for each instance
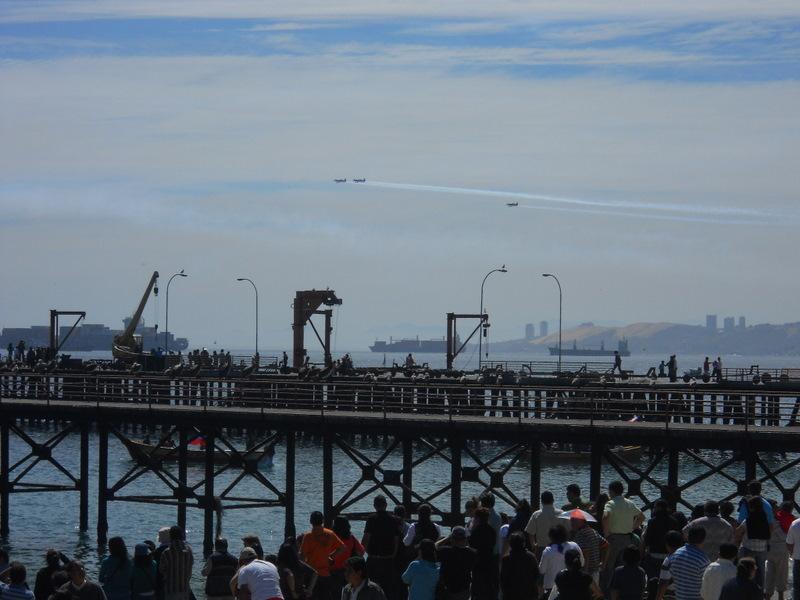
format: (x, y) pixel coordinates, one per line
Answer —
(622, 348)
(412, 345)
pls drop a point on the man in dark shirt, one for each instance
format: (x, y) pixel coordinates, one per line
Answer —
(629, 581)
(44, 578)
(78, 587)
(456, 563)
(743, 586)
(381, 540)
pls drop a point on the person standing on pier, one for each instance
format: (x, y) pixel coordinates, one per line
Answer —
(684, 568)
(44, 578)
(79, 587)
(359, 587)
(115, 571)
(456, 562)
(672, 368)
(319, 549)
(542, 521)
(718, 531)
(17, 587)
(220, 567)
(259, 577)
(175, 566)
(617, 363)
(620, 518)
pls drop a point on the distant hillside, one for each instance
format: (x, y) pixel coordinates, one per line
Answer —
(670, 337)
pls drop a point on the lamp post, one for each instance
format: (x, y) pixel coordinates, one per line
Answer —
(480, 337)
(250, 281)
(559, 317)
(166, 325)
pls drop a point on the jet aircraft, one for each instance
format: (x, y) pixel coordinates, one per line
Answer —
(362, 180)
(512, 203)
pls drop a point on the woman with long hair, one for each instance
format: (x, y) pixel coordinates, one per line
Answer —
(115, 571)
(422, 575)
(554, 556)
(352, 547)
(297, 579)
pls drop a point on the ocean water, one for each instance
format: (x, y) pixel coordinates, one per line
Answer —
(43, 520)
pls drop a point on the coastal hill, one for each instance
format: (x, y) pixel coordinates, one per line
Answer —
(668, 338)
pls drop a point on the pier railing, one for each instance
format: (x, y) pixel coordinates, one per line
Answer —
(632, 405)
(548, 367)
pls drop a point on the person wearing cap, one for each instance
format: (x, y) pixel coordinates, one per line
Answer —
(79, 587)
(218, 570)
(144, 578)
(54, 561)
(593, 545)
(456, 561)
(256, 579)
(176, 566)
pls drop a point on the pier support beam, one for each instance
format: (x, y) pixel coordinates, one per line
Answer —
(102, 484)
(182, 468)
(673, 489)
(83, 481)
(327, 478)
(408, 470)
(5, 486)
(456, 446)
(595, 470)
(208, 497)
(289, 528)
(536, 473)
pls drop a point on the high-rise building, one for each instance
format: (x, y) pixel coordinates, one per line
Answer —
(542, 328)
(728, 323)
(742, 324)
(530, 331)
(711, 322)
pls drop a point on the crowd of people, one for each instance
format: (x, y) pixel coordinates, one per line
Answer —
(584, 550)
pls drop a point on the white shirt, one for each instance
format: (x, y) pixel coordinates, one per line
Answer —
(262, 579)
(715, 576)
(541, 521)
(552, 562)
(793, 538)
(412, 533)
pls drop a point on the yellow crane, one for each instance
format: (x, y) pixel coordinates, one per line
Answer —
(127, 346)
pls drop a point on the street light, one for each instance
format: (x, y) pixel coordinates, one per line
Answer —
(166, 325)
(559, 317)
(256, 291)
(480, 337)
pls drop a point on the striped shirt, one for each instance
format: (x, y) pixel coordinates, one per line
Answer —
(15, 592)
(590, 542)
(175, 567)
(685, 567)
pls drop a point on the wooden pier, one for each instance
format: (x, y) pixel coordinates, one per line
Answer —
(672, 421)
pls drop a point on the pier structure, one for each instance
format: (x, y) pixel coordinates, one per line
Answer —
(441, 420)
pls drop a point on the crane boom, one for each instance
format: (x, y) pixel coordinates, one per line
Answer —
(125, 346)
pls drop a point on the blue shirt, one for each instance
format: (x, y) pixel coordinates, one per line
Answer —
(744, 512)
(15, 592)
(421, 577)
(686, 566)
(116, 578)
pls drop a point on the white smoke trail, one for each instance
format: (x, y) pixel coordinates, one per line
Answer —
(648, 210)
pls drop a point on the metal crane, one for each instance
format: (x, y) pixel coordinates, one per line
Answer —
(126, 346)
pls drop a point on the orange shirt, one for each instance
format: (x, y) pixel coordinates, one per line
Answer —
(317, 547)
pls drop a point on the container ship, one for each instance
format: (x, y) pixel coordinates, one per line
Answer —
(412, 345)
(622, 348)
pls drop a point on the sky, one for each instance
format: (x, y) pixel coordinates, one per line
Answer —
(652, 149)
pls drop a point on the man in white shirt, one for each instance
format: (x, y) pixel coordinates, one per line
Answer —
(258, 577)
(719, 572)
(793, 543)
(540, 523)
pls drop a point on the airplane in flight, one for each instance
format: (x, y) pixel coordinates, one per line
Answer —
(362, 180)
(340, 180)
(512, 203)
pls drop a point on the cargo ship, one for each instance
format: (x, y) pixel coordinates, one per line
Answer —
(88, 337)
(412, 345)
(622, 348)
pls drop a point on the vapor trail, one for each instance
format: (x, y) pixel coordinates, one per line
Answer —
(649, 210)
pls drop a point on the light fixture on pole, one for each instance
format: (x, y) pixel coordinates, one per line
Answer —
(250, 281)
(483, 326)
(166, 325)
(560, 297)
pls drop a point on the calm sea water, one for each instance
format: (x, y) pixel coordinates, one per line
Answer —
(43, 520)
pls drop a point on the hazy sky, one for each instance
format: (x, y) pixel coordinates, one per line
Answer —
(652, 147)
